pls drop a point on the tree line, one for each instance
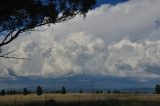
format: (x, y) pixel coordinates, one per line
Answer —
(39, 91)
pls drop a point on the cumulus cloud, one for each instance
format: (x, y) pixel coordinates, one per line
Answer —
(135, 19)
(121, 40)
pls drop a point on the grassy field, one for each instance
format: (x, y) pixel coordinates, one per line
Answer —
(81, 100)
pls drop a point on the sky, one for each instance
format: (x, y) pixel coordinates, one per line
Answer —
(113, 2)
(118, 43)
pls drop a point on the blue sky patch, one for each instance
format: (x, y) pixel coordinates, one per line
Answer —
(113, 2)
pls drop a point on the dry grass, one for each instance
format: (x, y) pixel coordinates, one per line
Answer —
(21, 99)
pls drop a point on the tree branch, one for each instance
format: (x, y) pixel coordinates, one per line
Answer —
(5, 42)
(12, 36)
(12, 57)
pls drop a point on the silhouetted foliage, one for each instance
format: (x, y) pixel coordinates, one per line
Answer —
(108, 91)
(57, 91)
(29, 91)
(3, 92)
(137, 92)
(157, 89)
(115, 91)
(39, 90)
(63, 90)
(99, 91)
(18, 16)
(10, 92)
(25, 91)
(81, 91)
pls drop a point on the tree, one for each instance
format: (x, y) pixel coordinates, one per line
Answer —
(157, 89)
(108, 91)
(3, 92)
(18, 16)
(39, 90)
(99, 91)
(80, 91)
(63, 90)
(25, 91)
(115, 91)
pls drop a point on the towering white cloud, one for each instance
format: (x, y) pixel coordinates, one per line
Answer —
(121, 40)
